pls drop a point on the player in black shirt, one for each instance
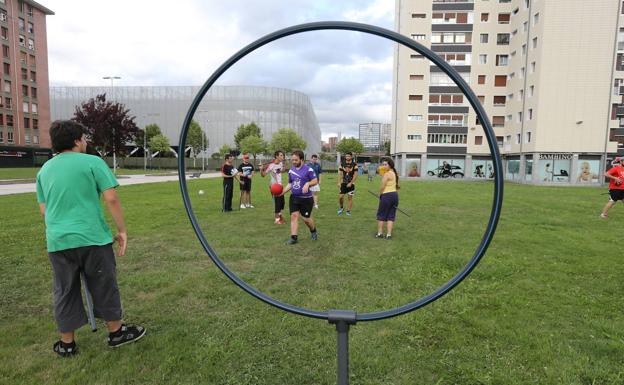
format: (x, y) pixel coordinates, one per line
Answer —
(228, 173)
(347, 175)
(246, 171)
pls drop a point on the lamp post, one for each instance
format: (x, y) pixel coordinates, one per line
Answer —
(112, 80)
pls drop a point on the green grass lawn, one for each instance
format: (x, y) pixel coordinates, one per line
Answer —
(543, 307)
(31, 172)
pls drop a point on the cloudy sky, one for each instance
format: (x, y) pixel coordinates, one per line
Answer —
(347, 75)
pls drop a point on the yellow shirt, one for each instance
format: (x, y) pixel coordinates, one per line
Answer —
(391, 185)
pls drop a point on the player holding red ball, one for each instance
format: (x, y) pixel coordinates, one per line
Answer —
(616, 187)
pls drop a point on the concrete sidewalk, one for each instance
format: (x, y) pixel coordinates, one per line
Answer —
(20, 188)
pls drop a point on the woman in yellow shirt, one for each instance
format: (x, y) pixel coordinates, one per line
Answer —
(388, 199)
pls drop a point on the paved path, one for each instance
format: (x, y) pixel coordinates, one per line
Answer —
(20, 188)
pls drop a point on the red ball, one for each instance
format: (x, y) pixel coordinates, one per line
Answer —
(276, 189)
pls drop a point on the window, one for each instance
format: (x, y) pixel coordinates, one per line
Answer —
(481, 79)
(7, 86)
(498, 121)
(417, 77)
(22, 41)
(523, 49)
(500, 81)
(414, 118)
(30, 10)
(508, 138)
(527, 137)
(23, 57)
(10, 136)
(514, 32)
(416, 57)
(7, 70)
(534, 42)
(447, 120)
(525, 26)
(3, 15)
(519, 117)
(24, 90)
(499, 101)
(26, 122)
(1, 136)
(31, 60)
(481, 99)
(33, 76)
(419, 36)
(503, 18)
(31, 44)
(20, 6)
(35, 139)
(436, 38)
(35, 124)
(33, 92)
(34, 108)
(508, 118)
(531, 90)
(5, 51)
(24, 74)
(451, 37)
(21, 24)
(447, 138)
(478, 140)
(25, 107)
(535, 19)
(532, 68)
(9, 119)
(485, 17)
(502, 60)
(441, 79)
(482, 59)
(502, 39)
(419, 15)
(4, 32)
(499, 141)
(530, 114)
(517, 138)
(515, 11)
(415, 97)
(31, 28)
(520, 95)
(522, 72)
(504, 1)
(414, 137)
(527, 3)
(483, 38)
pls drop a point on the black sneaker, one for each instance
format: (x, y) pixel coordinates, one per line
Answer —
(291, 241)
(314, 236)
(379, 235)
(65, 350)
(125, 335)
(388, 237)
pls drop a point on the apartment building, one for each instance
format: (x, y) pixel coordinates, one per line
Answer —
(24, 85)
(550, 74)
(374, 135)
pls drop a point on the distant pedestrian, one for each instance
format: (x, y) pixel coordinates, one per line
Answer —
(347, 175)
(228, 172)
(79, 241)
(246, 170)
(274, 170)
(616, 186)
(388, 199)
(315, 165)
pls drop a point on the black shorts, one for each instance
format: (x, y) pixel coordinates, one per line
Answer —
(245, 184)
(347, 190)
(303, 205)
(279, 203)
(616, 195)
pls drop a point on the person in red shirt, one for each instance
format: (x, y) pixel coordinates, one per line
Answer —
(616, 187)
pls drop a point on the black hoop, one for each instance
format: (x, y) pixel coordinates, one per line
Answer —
(398, 38)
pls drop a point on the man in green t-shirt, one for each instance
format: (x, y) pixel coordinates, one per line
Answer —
(78, 239)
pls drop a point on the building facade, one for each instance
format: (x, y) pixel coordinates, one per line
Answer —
(24, 89)
(221, 112)
(548, 74)
(374, 135)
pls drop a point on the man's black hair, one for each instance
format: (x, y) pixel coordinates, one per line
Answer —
(349, 153)
(65, 133)
(299, 154)
(276, 154)
(314, 156)
(228, 156)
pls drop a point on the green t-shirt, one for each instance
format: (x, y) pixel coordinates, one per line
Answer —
(70, 185)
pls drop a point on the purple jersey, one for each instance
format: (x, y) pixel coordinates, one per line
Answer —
(297, 178)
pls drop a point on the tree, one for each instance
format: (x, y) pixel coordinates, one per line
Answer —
(245, 130)
(386, 147)
(350, 145)
(159, 143)
(109, 126)
(225, 149)
(328, 156)
(253, 145)
(215, 155)
(197, 139)
(287, 140)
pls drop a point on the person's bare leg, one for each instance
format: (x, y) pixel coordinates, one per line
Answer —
(607, 207)
(315, 196)
(389, 226)
(309, 222)
(341, 199)
(113, 326)
(294, 223)
(350, 202)
(380, 227)
(67, 337)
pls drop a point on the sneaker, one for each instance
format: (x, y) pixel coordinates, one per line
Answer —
(379, 236)
(243, 206)
(291, 241)
(340, 211)
(249, 206)
(65, 350)
(282, 221)
(603, 216)
(388, 237)
(125, 335)
(348, 213)
(316, 206)
(314, 236)
(278, 221)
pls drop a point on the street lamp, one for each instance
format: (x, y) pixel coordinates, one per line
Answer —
(112, 79)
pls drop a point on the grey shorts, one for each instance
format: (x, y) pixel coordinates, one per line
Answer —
(98, 264)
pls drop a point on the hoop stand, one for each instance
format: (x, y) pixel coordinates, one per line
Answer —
(343, 319)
